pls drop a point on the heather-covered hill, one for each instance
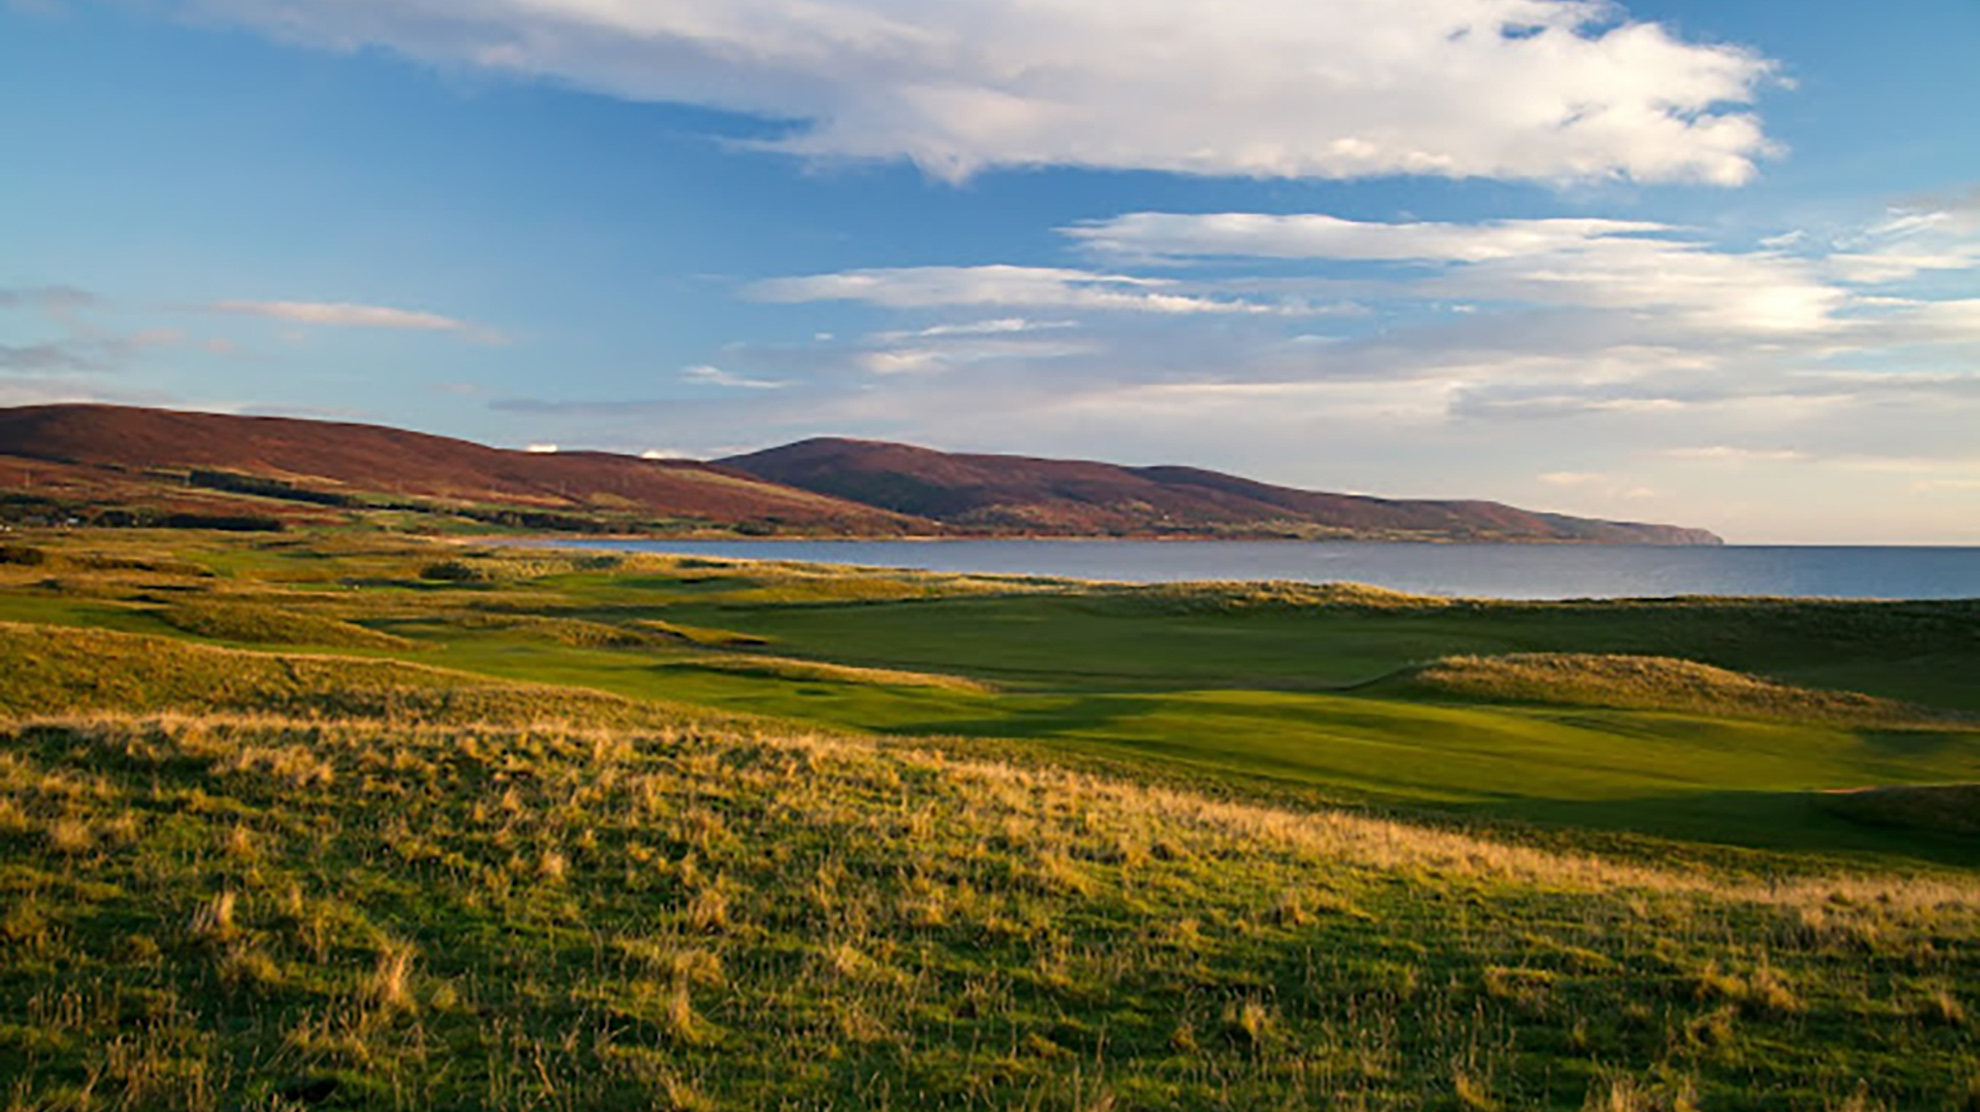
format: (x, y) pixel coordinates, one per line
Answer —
(1021, 494)
(114, 449)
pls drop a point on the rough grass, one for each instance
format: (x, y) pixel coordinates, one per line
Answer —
(1214, 597)
(262, 623)
(786, 668)
(1655, 683)
(217, 912)
(574, 632)
(52, 670)
(701, 635)
(1939, 808)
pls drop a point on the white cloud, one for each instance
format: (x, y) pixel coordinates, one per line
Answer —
(1910, 242)
(928, 287)
(1590, 263)
(716, 376)
(1524, 89)
(999, 327)
(1171, 236)
(350, 315)
(1725, 453)
(946, 352)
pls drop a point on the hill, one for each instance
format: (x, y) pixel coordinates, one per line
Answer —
(128, 465)
(1020, 494)
(194, 461)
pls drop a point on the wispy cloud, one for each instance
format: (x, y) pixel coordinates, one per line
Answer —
(925, 287)
(48, 299)
(1168, 236)
(86, 345)
(1725, 453)
(1520, 89)
(344, 314)
(1590, 263)
(716, 376)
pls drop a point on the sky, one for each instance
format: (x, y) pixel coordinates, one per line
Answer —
(1704, 263)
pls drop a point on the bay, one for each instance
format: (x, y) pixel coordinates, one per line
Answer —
(1475, 570)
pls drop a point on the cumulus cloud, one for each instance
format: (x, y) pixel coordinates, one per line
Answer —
(925, 287)
(346, 314)
(1518, 89)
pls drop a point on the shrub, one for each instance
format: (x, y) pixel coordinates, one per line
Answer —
(451, 571)
(23, 555)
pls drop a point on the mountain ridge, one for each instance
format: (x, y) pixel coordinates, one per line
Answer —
(1036, 495)
(107, 451)
(303, 469)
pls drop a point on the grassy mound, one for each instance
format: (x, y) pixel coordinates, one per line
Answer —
(1652, 683)
(786, 668)
(55, 670)
(1939, 808)
(701, 635)
(577, 633)
(260, 623)
(1272, 596)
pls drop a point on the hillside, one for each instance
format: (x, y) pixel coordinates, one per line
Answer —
(111, 453)
(1019, 494)
(127, 465)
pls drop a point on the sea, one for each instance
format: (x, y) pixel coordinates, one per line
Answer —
(1505, 571)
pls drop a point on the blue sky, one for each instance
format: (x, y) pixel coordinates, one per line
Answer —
(1707, 263)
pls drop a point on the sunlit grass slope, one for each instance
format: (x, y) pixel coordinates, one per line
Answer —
(419, 903)
(51, 670)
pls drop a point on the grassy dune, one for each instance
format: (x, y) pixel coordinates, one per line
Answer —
(261, 623)
(1654, 683)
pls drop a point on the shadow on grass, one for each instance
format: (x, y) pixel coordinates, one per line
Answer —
(1784, 820)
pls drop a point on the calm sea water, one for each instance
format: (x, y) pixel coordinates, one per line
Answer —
(1482, 571)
